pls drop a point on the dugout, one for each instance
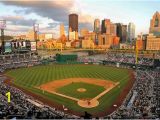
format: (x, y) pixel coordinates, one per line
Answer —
(66, 58)
(45, 62)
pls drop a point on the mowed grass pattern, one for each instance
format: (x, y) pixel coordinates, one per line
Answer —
(71, 90)
(28, 78)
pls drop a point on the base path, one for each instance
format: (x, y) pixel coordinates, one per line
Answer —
(106, 111)
(88, 103)
(62, 95)
(104, 92)
(52, 87)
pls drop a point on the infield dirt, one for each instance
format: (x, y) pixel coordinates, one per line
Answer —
(107, 111)
(52, 87)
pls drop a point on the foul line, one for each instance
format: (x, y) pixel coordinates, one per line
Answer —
(76, 99)
(62, 95)
(104, 92)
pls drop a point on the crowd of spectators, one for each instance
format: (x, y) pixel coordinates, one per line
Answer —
(143, 101)
(128, 58)
(117, 58)
(18, 60)
(22, 107)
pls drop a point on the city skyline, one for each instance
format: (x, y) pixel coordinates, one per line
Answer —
(24, 14)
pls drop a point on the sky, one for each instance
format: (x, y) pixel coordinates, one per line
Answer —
(22, 14)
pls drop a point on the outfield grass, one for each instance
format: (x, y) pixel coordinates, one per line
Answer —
(28, 78)
(71, 90)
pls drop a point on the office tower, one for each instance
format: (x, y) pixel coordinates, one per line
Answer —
(121, 32)
(73, 27)
(131, 32)
(62, 30)
(96, 25)
(108, 27)
(153, 42)
(113, 29)
(153, 39)
(73, 22)
(105, 27)
(96, 30)
(124, 33)
(155, 24)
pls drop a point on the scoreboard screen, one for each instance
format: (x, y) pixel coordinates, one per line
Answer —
(7, 47)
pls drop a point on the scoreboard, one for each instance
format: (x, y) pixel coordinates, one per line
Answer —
(15, 46)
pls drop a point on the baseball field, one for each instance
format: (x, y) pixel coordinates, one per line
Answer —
(91, 88)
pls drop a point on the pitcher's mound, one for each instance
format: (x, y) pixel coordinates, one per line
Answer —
(81, 90)
(86, 103)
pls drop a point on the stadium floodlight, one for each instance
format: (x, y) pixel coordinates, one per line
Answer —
(36, 27)
(36, 30)
(2, 24)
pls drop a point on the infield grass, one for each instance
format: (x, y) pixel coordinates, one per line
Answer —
(71, 90)
(29, 78)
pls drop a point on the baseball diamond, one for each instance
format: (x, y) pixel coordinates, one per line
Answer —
(79, 88)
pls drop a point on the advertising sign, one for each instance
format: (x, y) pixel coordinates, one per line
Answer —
(117, 64)
(28, 45)
(23, 44)
(33, 46)
(7, 47)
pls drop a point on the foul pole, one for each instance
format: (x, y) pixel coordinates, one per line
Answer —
(136, 53)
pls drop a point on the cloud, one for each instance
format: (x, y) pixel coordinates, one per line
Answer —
(10, 18)
(86, 21)
(18, 20)
(86, 18)
(16, 30)
(53, 30)
(56, 10)
(53, 25)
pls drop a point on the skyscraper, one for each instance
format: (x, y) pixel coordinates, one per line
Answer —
(153, 39)
(113, 29)
(96, 25)
(105, 27)
(122, 32)
(62, 30)
(108, 27)
(131, 32)
(73, 27)
(155, 24)
(96, 30)
(73, 22)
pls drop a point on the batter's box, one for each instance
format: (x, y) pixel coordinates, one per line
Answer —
(81, 90)
(85, 91)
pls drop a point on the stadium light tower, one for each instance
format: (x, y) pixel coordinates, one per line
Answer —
(36, 30)
(2, 27)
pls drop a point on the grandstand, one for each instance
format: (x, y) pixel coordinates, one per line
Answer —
(141, 102)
